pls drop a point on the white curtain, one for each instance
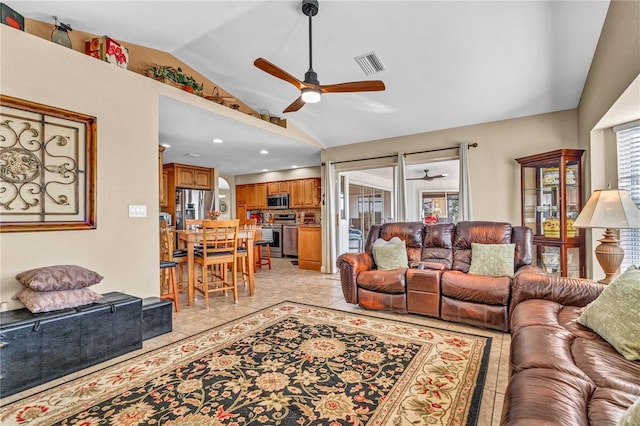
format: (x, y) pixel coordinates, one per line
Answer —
(328, 210)
(401, 190)
(465, 183)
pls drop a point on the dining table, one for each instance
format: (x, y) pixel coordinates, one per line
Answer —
(189, 238)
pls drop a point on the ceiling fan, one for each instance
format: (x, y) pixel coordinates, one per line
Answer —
(427, 177)
(311, 89)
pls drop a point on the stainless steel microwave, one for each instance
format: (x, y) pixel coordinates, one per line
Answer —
(280, 201)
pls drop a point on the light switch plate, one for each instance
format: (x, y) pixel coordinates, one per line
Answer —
(137, 211)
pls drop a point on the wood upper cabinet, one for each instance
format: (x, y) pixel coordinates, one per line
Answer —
(253, 196)
(164, 200)
(305, 193)
(162, 178)
(193, 177)
(277, 188)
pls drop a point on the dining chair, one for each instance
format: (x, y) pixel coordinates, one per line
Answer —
(168, 265)
(219, 252)
(243, 253)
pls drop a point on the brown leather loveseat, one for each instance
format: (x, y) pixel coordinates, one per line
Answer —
(437, 283)
(563, 373)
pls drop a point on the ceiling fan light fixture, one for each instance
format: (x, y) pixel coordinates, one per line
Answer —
(310, 96)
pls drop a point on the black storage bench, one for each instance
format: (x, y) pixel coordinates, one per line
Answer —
(37, 348)
(157, 317)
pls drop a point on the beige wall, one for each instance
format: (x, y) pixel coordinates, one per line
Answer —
(611, 96)
(122, 249)
(495, 186)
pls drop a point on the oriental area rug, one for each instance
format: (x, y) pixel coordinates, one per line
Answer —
(289, 364)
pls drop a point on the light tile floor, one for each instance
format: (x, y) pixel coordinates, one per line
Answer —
(285, 282)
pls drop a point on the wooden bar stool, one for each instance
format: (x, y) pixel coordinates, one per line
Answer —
(262, 260)
(172, 293)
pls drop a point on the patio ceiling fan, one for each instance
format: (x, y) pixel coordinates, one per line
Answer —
(311, 89)
(427, 177)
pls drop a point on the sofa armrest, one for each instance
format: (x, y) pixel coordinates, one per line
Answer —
(565, 291)
(350, 265)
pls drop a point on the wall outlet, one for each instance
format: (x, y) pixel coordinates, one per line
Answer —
(137, 211)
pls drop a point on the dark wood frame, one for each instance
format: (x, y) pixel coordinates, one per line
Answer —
(90, 176)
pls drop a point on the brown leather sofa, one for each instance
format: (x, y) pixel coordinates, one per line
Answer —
(561, 372)
(437, 282)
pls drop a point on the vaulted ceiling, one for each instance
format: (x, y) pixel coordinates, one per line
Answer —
(448, 64)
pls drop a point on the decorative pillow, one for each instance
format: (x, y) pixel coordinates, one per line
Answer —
(390, 254)
(59, 277)
(631, 417)
(615, 314)
(493, 260)
(46, 301)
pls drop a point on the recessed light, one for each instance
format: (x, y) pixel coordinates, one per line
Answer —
(217, 140)
(264, 152)
(265, 170)
(294, 167)
(166, 145)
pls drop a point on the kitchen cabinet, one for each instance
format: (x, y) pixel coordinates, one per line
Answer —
(305, 193)
(551, 199)
(163, 189)
(256, 196)
(241, 201)
(190, 177)
(162, 183)
(277, 188)
(310, 247)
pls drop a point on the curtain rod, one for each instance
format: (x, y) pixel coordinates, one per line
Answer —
(474, 145)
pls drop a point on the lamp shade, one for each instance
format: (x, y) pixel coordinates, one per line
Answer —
(611, 208)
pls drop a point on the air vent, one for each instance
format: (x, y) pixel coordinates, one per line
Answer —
(192, 155)
(370, 63)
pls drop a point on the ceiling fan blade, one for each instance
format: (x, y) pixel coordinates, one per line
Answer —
(295, 106)
(422, 178)
(278, 72)
(354, 86)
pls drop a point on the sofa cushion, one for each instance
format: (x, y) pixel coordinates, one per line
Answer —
(476, 232)
(631, 417)
(58, 277)
(615, 314)
(437, 244)
(493, 260)
(476, 288)
(46, 301)
(390, 254)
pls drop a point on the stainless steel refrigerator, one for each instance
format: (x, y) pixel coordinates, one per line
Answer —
(193, 204)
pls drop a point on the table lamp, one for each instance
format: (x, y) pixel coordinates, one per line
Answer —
(610, 209)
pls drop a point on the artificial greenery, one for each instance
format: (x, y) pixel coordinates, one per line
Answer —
(176, 75)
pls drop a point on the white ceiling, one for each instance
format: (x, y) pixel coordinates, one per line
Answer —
(449, 64)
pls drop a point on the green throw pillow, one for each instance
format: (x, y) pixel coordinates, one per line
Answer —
(493, 260)
(615, 314)
(631, 417)
(390, 254)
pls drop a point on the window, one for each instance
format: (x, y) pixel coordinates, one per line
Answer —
(628, 137)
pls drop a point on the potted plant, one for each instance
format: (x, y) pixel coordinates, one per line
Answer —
(175, 75)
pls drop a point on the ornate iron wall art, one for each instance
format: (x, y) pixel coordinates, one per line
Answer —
(47, 167)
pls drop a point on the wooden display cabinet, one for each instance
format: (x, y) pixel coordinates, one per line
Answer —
(551, 199)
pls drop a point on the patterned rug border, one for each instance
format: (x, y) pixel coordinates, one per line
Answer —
(474, 409)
